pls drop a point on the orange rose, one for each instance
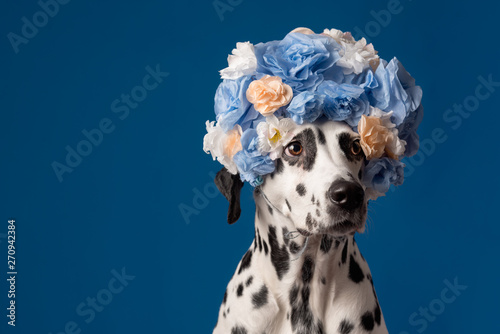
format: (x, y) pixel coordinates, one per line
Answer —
(232, 144)
(373, 136)
(379, 136)
(269, 94)
(302, 30)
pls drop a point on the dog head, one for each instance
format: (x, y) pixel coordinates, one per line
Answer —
(317, 181)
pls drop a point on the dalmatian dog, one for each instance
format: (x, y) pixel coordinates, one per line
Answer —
(304, 273)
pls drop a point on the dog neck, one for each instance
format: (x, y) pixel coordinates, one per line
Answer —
(305, 274)
(290, 252)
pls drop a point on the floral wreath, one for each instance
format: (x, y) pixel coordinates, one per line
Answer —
(271, 87)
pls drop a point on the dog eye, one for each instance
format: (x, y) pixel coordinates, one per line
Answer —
(356, 147)
(293, 149)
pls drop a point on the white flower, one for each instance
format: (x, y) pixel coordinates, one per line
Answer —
(355, 55)
(222, 145)
(273, 134)
(241, 62)
(339, 36)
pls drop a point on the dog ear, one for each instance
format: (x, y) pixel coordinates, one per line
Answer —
(230, 186)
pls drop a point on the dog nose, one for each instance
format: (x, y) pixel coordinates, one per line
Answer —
(345, 194)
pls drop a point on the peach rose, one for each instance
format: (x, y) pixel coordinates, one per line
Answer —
(302, 30)
(373, 136)
(232, 144)
(269, 94)
(378, 138)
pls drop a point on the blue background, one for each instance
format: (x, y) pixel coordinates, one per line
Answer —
(120, 206)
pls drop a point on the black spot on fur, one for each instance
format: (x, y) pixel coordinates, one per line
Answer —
(279, 166)
(360, 174)
(288, 204)
(367, 321)
(306, 292)
(270, 209)
(307, 269)
(345, 142)
(301, 189)
(279, 255)
(345, 327)
(320, 327)
(304, 232)
(239, 291)
(306, 160)
(224, 314)
(317, 212)
(287, 315)
(224, 300)
(326, 243)
(238, 330)
(259, 298)
(344, 252)
(337, 243)
(355, 272)
(369, 277)
(309, 221)
(245, 261)
(302, 318)
(286, 238)
(249, 281)
(312, 199)
(293, 295)
(378, 314)
(260, 240)
(321, 137)
(323, 280)
(266, 249)
(294, 247)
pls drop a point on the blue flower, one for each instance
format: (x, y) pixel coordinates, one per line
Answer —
(395, 90)
(250, 162)
(298, 59)
(408, 131)
(321, 89)
(231, 105)
(381, 173)
(305, 106)
(365, 79)
(344, 102)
